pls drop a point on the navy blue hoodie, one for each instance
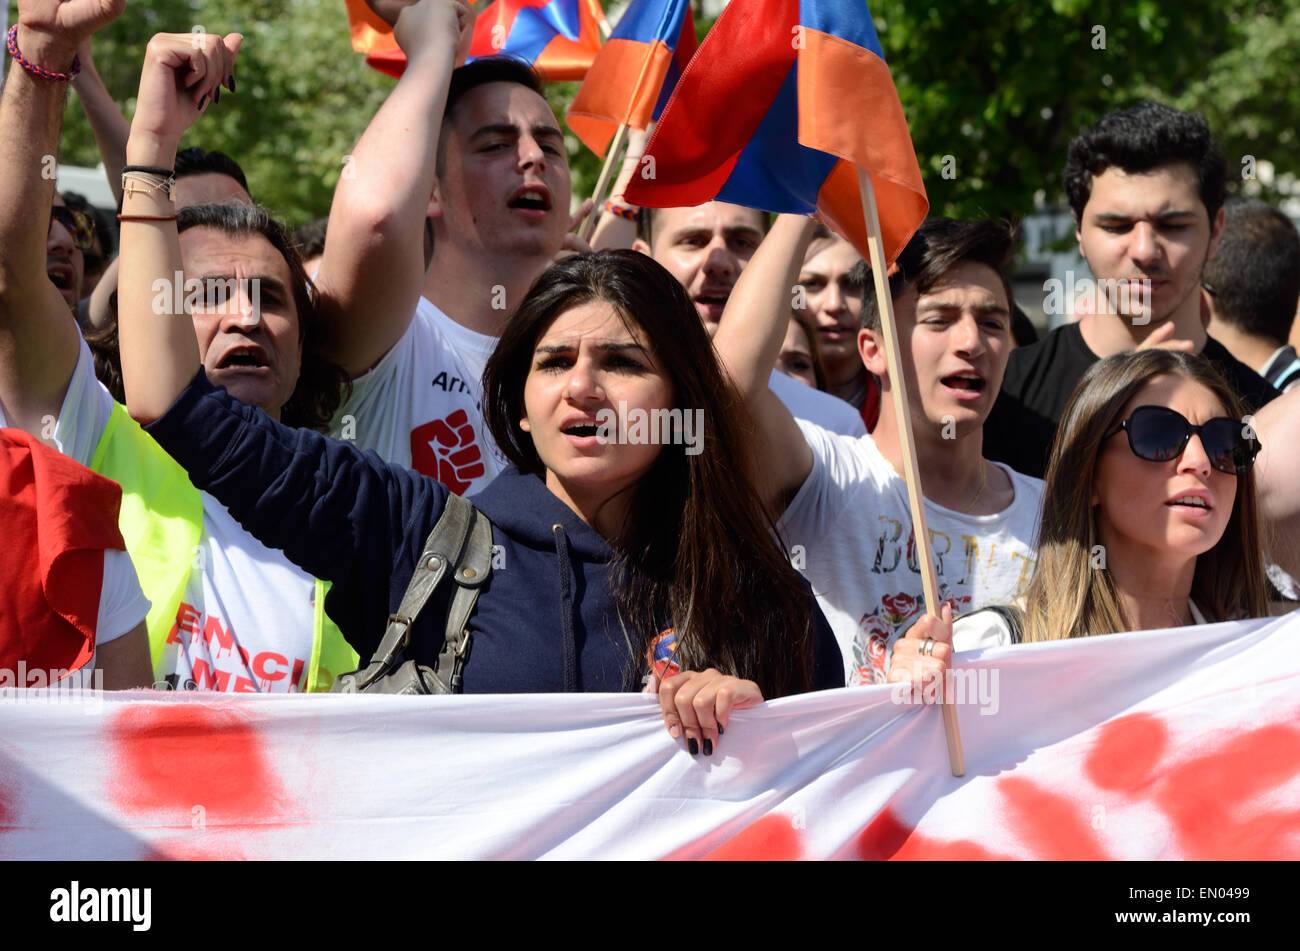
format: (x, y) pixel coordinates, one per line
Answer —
(546, 622)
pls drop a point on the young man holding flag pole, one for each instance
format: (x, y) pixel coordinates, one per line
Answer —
(756, 121)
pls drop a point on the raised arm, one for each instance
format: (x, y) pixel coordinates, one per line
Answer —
(106, 120)
(748, 341)
(614, 231)
(1278, 427)
(38, 336)
(373, 264)
(160, 353)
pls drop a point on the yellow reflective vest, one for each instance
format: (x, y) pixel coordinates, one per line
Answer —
(162, 523)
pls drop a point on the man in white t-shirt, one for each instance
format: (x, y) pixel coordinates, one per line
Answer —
(475, 161)
(846, 516)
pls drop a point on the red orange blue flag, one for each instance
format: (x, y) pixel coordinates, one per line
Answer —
(634, 74)
(781, 106)
(559, 37)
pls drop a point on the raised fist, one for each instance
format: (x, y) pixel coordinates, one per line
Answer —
(182, 73)
(50, 27)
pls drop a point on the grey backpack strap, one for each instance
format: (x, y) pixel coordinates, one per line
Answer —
(445, 551)
(472, 573)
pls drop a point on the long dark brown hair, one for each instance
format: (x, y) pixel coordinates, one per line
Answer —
(698, 548)
(1068, 596)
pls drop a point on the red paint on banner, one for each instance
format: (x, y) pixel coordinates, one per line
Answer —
(1050, 824)
(175, 758)
(772, 838)
(1210, 798)
(888, 838)
(1127, 752)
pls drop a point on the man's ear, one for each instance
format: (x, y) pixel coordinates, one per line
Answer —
(1216, 232)
(871, 348)
(434, 209)
(639, 245)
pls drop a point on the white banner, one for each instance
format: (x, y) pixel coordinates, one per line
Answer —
(1168, 744)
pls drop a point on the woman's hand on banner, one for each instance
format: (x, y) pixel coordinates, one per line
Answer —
(698, 705)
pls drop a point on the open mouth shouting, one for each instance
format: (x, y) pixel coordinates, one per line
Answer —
(63, 276)
(711, 302)
(965, 386)
(583, 432)
(244, 357)
(531, 201)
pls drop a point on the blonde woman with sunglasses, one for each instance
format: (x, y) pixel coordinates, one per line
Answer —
(1149, 516)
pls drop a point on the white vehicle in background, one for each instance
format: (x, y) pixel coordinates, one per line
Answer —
(91, 182)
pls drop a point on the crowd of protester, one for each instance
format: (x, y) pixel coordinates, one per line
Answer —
(274, 461)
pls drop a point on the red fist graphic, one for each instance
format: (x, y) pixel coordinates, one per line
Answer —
(447, 450)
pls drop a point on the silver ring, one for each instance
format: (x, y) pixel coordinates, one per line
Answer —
(928, 647)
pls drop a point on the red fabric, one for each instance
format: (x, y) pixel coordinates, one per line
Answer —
(59, 517)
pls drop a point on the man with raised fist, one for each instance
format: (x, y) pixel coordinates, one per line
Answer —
(475, 161)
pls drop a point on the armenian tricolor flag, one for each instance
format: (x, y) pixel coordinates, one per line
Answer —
(559, 37)
(635, 72)
(783, 103)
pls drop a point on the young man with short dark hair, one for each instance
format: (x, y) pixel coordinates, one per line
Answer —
(1254, 286)
(1146, 187)
(478, 152)
(845, 505)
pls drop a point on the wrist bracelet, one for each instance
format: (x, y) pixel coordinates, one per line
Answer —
(623, 211)
(151, 182)
(11, 44)
(151, 169)
(146, 217)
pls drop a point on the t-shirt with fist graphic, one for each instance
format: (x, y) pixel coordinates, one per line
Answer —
(421, 405)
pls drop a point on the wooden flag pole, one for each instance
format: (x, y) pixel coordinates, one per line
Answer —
(920, 530)
(602, 183)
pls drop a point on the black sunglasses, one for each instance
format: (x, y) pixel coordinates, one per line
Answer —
(78, 225)
(1158, 434)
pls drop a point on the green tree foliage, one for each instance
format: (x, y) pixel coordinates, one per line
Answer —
(994, 90)
(303, 96)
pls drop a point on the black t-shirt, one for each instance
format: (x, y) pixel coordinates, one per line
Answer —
(1040, 379)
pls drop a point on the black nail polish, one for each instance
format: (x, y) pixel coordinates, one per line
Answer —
(216, 95)
(708, 746)
(230, 82)
(721, 730)
(202, 100)
(693, 746)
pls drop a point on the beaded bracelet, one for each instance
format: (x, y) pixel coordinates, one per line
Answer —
(623, 211)
(11, 44)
